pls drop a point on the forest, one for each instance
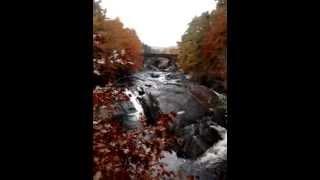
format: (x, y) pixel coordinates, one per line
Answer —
(202, 51)
(138, 114)
(116, 50)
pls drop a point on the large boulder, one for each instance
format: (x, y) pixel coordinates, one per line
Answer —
(150, 107)
(197, 134)
(196, 138)
(198, 109)
(212, 165)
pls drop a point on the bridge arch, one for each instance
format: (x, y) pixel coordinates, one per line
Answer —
(154, 59)
(172, 57)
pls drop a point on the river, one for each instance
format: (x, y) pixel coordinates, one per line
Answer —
(201, 120)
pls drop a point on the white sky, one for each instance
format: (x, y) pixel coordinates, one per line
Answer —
(159, 23)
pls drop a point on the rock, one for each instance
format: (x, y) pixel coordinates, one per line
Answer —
(171, 76)
(140, 91)
(196, 138)
(151, 107)
(128, 107)
(208, 134)
(219, 116)
(202, 108)
(211, 165)
(154, 75)
(212, 169)
(152, 67)
(171, 68)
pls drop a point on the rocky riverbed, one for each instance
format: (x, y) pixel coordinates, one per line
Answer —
(200, 125)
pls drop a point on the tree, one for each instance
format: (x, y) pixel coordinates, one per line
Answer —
(189, 57)
(118, 49)
(203, 48)
(214, 43)
(122, 154)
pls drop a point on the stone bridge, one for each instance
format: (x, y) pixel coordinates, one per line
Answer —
(172, 57)
(160, 61)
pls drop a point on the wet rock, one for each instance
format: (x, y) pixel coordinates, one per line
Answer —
(199, 135)
(212, 165)
(211, 169)
(171, 76)
(171, 68)
(140, 91)
(208, 133)
(152, 67)
(175, 84)
(219, 116)
(219, 112)
(154, 75)
(128, 107)
(202, 107)
(196, 138)
(151, 107)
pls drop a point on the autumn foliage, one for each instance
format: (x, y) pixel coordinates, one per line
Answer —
(215, 43)
(202, 51)
(123, 154)
(118, 49)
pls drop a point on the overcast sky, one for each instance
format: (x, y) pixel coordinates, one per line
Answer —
(159, 23)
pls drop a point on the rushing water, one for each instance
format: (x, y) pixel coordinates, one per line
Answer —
(173, 91)
(137, 112)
